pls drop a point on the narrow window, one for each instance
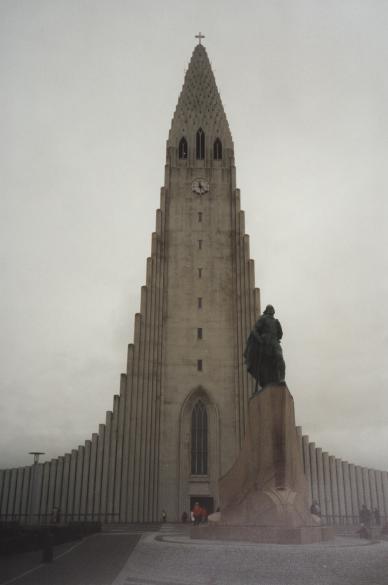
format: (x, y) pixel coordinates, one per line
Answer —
(199, 272)
(200, 144)
(199, 216)
(182, 150)
(199, 302)
(199, 365)
(217, 149)
(199, 447)
(199, 333)
(199, 244)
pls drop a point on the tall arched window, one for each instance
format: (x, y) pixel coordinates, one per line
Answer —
(182, 150)
(217, 149)
(200, 144)
(199, 439)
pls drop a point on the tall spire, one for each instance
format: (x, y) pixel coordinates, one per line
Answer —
(199, 104)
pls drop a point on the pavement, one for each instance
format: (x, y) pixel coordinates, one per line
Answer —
(126, 556)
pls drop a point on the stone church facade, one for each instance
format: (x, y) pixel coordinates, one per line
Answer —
(178, 421)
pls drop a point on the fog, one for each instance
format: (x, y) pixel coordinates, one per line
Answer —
(88, 90)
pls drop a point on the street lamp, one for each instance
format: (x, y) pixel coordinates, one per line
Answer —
(31, 490)
(36, 455)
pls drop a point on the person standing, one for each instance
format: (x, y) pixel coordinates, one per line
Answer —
(197, 513)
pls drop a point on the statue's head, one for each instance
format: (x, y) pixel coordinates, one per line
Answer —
(269, 310)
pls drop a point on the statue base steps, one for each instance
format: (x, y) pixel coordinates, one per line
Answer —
(263, 534)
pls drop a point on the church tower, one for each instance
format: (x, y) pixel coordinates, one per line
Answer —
(209, 299)
(178, 423)
(186, 385)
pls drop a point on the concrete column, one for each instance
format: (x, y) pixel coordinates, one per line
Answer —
(251, 271)
(313, 471)
(334, 489)
(6, 490)
(365, 481)
(127, 440)
(373, 490)
(384, 478)
(2, 472)
(85, 481)
(321, 481)
(241, 420)
(98, 478)
(12, 490)
(245, 300)
(120, 448)
(299, 436)
(327, 480)
(58, 483)
(240, 313)
(65, 486)
(162, 302)
(150, 474)
(348, 493)
(360, 487)
(44, 490)
(72, 476)
(51, 487)
(138, 487)
(112, 460)
(92, 477)
(341, 491)
(380, 498)
(36, 489)
(25, 492)
(307, 471)
(105, 465)
(147, 405)
(353, 491)
(18, 492)
(78, 481)
(133, 427)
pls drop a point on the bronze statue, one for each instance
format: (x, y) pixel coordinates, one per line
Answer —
(263, 353)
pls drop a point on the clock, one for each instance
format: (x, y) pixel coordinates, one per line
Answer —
(200, 186)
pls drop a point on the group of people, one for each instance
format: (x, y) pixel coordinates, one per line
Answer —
(369, 517)
(198, 514)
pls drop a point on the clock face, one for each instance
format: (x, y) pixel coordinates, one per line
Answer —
(200, 186)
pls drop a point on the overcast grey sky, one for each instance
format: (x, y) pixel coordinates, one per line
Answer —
(88, 89)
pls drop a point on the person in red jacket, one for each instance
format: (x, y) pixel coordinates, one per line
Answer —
(197, 513)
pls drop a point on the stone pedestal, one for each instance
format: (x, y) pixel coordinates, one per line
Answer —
(264, 495)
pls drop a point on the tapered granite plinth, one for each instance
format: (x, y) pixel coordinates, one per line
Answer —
(264, 495)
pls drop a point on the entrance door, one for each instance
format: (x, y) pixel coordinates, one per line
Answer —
(204, 501)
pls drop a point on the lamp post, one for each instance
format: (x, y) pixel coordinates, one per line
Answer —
(36, 455)
(30, 510)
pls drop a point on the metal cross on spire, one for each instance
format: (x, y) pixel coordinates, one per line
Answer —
(199, 36)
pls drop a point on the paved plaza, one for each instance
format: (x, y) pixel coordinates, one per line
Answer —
(169, 557)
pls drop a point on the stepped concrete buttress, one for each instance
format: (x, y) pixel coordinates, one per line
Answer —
(264, 496)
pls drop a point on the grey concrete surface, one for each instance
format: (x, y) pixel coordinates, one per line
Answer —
(96, 560)
(171, 558)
